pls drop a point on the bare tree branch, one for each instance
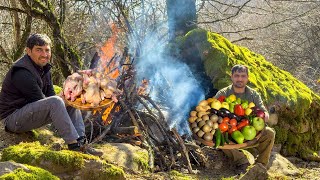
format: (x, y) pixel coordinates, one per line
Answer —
(3, 53)
(229, 17)
(12, 9)
(272, 23)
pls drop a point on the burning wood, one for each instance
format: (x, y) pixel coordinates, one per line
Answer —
(123, 121)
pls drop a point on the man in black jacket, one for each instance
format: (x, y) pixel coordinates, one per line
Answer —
(28, 101)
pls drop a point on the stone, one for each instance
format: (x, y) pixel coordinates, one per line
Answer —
(258, 171)
(126, 155)
(9, 166)
(280, 165)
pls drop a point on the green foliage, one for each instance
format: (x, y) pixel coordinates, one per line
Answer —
(34, 173)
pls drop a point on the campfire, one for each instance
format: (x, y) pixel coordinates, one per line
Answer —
(121, 110)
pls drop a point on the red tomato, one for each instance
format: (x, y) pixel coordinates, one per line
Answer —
(246, 121)
(223, 127)
(233, 122)
(241, 125)
(232, 129)
(225, 119)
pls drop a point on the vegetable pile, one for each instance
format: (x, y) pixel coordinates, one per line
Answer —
(226, 120)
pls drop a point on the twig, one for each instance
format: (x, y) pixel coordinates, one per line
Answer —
(183, 149)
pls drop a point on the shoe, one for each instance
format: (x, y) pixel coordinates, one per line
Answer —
(242, 168)
(82, 146)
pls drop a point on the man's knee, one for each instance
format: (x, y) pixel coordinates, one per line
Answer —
(269, 133)
(55, 101)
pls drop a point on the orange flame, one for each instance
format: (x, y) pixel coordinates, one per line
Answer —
(108, 50)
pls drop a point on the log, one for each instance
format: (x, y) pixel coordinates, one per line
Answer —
(131, 130)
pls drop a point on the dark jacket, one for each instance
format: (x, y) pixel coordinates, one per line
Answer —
(25, 83)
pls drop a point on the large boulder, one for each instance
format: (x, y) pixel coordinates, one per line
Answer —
(12, 170)
(127, 156)
(64, 164)
(298, 109)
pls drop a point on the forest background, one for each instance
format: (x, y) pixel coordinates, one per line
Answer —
(286, 33)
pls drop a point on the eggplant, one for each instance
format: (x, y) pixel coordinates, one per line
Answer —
(221, 113)
(214, 111)
(226, 111)
(233, 116)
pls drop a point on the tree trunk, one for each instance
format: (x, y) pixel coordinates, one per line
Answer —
(182, 17)
(67, 57)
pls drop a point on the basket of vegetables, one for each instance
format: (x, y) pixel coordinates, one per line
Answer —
(226, 123)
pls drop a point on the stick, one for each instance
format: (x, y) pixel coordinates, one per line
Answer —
(183, 149)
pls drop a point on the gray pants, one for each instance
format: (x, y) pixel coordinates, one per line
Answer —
(68, 121)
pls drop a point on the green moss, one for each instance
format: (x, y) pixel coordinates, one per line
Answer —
(282, 135)
(110, 172)
(34, 173)
(57, 89)
(175, 175)
(33, 153)
(142, 159)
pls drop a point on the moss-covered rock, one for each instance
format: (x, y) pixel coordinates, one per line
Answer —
(294, 101)
(126, 155)
(61, 162)
(30, 172)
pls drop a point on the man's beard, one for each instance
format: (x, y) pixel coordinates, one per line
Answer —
(239, 84)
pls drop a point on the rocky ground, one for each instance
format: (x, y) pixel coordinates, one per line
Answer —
(218, 167)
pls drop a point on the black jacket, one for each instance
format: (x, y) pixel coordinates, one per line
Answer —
(25, 83)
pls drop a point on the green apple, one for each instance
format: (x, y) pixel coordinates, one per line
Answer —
(237, 136)
(249, 132)
(258, 123)
(216, 104)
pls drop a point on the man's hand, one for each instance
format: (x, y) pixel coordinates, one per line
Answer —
(266, 117)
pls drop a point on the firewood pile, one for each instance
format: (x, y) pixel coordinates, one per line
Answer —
(133, 117)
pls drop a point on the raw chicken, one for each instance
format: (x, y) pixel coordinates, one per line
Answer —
(72, 87)
(91, 86)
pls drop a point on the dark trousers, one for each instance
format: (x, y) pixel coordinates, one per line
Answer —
(68, 121)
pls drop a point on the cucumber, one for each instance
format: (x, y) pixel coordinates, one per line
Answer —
(218, 138)
(226, 138)
(222, 140)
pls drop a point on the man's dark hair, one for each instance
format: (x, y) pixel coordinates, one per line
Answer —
(239, 68)
(38, 40)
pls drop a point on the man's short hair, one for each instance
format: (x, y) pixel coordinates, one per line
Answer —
(239, 68)
(38, 40)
